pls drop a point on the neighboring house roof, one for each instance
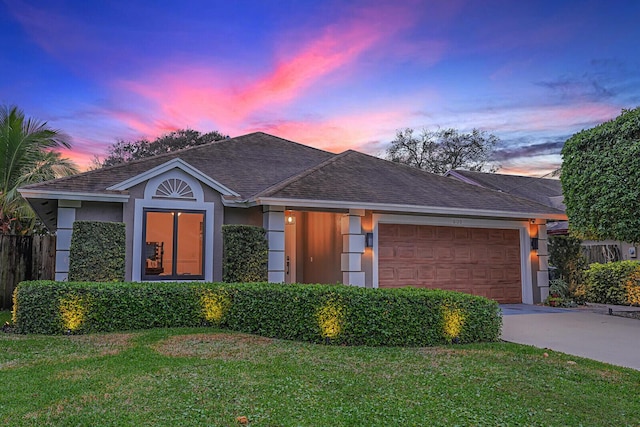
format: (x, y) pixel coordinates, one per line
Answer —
(541, 190)
(263, 169)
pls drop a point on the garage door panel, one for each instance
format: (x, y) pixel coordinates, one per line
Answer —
(387, 275)
(425, 252)
(474, 260)
(405, 251)
(407, 231)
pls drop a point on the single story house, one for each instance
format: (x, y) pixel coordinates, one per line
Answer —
(348, 217)
(548, 192)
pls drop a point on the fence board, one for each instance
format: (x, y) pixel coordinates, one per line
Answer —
(24, 258)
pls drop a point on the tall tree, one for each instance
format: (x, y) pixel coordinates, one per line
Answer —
(600, 179)
(126, 151)
(444, 149)
(26, 158)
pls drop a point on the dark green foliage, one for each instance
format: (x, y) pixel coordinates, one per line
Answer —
(127, 151)
(315, 313)
(612, 283)
(600, 176)
(245, 254)
(565, 254)
(97, 251)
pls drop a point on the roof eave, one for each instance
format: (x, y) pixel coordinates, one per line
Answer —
(415, 209)
(28, 193)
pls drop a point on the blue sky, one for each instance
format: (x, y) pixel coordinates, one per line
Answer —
(330, 74)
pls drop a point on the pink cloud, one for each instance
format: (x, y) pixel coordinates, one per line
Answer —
(229, 97)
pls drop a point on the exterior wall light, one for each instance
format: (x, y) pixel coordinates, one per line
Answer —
(368, 240)
(534, 243)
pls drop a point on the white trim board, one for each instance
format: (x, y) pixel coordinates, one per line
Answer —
(410, 209)
(73, 195)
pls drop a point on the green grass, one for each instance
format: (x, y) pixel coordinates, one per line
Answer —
(208, 377)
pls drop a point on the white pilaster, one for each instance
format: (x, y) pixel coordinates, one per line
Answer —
(353, 245)
(543, 261)
(273, 222)
(66, 217)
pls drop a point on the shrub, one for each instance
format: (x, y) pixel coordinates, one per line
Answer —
(565, 254)
(613, 283)
(245, 254)
(97, 251)
(315, 313)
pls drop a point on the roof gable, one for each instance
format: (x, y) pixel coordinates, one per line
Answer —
(165, 167)
(244, 165)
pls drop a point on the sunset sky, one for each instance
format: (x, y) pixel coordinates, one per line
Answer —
(335, 75)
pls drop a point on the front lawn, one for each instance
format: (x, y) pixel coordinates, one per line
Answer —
(208, 377)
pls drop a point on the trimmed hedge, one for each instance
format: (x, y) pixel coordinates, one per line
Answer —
(97, 251)
(315, 313)
(614, 283)
(245, 254)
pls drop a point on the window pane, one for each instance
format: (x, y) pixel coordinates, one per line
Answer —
(159, 244)
(189, 256)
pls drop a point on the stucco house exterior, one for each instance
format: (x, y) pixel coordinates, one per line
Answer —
(348, 217)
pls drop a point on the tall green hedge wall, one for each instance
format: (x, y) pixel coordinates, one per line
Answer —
(614, 283)
(317, 313)
(97, 251)
(245, 254)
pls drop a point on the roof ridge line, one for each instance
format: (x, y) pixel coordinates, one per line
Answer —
(285, 182)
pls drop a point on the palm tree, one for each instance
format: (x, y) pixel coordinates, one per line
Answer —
(26, 158)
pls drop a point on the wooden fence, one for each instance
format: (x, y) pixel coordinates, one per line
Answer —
(24, 258)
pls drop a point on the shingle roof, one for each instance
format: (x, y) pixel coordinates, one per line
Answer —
(357, 177)
(246, 164)
(259, 165)
(541, 190)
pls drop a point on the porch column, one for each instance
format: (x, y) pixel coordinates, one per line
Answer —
(543, 260)
(273, 222)
(66, 218)
(352, 248)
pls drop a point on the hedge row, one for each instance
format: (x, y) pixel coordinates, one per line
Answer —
(97, 251)
(613, 283)
(315, 313)
(245, 252)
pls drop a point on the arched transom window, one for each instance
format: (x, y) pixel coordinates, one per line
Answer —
(174, 188)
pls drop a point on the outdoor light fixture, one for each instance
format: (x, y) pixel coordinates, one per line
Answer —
(534, 243)
(368, 240)
(291, 219)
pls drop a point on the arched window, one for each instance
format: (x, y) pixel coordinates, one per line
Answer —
(174, 188)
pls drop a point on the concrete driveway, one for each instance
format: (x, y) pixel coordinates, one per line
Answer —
(610, 339)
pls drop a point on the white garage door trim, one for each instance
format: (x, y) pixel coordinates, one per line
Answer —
(522, 226)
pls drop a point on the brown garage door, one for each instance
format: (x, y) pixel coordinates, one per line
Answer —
(479, 261)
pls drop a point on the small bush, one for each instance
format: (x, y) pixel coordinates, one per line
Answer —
(97, 252)
(613, 283)
(245, 254)
(314, 313)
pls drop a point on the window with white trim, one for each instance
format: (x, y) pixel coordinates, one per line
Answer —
(174, 188)
(174, 247)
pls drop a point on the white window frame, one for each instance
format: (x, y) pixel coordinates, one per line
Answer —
(195, 204)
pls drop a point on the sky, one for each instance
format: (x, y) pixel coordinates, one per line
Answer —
(334, 75)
